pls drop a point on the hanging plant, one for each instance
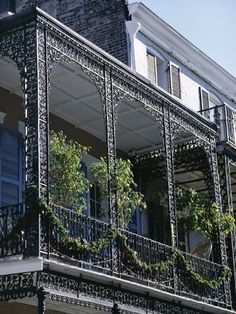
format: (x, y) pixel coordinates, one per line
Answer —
(195, 212)
(67, 182)
(122, 181)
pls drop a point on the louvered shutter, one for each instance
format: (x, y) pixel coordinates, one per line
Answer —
(11, 168)
(151, 66)
(175, 80)
(204, 102)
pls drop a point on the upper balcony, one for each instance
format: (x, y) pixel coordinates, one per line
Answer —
(67, 84)
(224, 117)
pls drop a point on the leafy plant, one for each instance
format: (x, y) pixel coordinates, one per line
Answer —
(122, 180)
(67, 180)
(195, 212)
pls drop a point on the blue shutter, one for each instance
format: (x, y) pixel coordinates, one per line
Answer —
(7, 5)
(11, 167)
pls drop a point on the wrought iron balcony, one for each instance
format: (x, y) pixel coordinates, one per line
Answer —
(224, 117)
(112, 258)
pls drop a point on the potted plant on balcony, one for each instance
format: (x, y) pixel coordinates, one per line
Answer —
(122, 181)
(196, 213)
(67, 180)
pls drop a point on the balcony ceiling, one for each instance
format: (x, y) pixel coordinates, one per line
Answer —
(74, 98)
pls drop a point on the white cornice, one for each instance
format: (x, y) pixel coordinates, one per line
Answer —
(179, 47)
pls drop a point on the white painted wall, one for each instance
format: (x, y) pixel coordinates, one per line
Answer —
(190, 81)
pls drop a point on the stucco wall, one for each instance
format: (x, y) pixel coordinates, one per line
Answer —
(190, 81)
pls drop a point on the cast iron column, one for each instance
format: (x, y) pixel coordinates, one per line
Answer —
(41, 294)
(110, 117)
(213, 184)
(169, 154)
(227, 203)
(36, 127)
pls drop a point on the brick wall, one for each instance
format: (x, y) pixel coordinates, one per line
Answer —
(100, 21)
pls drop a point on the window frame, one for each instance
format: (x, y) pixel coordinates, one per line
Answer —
(161, 64)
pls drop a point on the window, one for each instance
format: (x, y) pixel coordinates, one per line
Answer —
(7, 6)
(175, 88)
(204, 102)
(156, 69)
(11, 168)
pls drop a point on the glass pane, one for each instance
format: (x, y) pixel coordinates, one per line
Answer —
(10, 156)
(92, 209)
(9, 194)
(92, 191)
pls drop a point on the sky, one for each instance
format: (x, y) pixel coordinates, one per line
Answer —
(208, 24)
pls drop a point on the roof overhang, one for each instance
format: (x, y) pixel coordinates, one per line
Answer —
(183, 50)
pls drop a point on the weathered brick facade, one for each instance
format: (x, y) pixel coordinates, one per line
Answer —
(100, 21)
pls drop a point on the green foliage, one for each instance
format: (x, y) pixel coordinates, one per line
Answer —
(67, 180)
(195, 212)
(122, 181)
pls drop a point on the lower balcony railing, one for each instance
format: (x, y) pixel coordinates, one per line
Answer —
(91, 244)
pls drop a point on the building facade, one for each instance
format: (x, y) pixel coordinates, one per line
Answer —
(115, 77)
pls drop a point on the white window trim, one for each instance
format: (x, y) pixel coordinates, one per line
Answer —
(171, 83)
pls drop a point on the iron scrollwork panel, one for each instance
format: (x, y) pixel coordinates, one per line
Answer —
(17, 286)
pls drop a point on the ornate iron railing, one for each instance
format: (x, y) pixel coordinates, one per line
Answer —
(11, 235)
(114, 258)
(225, 117)
(86, 230)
